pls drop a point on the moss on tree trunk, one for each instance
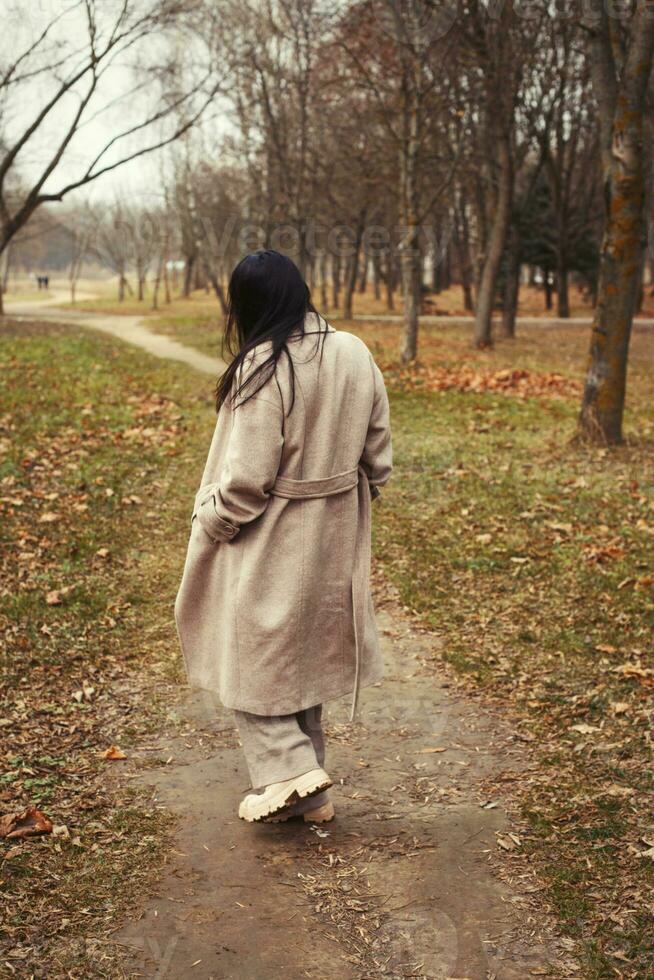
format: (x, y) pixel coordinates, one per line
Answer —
(620, 85)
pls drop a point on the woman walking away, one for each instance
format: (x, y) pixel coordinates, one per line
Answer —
(274, 612)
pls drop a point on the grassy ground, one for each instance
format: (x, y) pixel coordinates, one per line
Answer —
(532, 557)
(529, 554)
(94, 494)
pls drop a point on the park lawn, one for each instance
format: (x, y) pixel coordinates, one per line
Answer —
(531, 557)
(98, 467)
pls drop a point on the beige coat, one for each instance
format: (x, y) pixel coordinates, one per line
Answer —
(274, 612)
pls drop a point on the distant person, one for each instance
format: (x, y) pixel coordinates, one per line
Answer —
(46, 282)
(39, 280)
(274, 611)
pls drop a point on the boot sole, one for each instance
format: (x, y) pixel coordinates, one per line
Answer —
(304, 786)
(322, 814)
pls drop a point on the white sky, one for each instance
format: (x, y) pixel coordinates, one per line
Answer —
(112, 109)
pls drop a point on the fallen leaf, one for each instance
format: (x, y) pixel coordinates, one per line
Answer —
(633, 670)
(26, 823)
(563, 528)
(614, 789)
(113, 753)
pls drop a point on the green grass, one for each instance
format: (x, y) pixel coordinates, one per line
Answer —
(200, 331)
(532, 557)
(100, 452)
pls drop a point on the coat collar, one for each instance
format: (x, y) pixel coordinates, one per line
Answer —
(313, 324)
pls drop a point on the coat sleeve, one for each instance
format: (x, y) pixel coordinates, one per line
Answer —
(377, 457)
(250, 466)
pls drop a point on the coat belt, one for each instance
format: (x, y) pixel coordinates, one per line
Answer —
(308, 489)
(327, 487)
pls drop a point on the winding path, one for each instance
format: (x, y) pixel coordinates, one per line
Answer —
(130, 329)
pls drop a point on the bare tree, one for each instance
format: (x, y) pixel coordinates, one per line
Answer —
(164, 222)
(491, 42)
(621, 62)
(398, 50)
(80, 224)
(74, 69)
(112, 241)
(145, 233)
(274, 45)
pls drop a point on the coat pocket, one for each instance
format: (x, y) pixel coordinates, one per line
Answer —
(214, 525)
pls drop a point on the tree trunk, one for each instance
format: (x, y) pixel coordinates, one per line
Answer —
(640, 291)
(188, 275)
(410, 257)
(410, 264)
(511, 285)
(157, 279)
(218, 290)
(390, 282)
(376, 276)
(324, 298)
(363, 279)
(199, 282)
(624, 232)
(166, 280)
(496, 240)
(562, 299)
(5, 255)
(7, 268)
(436, 271)
(353, 268)
(462, 245)
(336, 280)
(446, 268)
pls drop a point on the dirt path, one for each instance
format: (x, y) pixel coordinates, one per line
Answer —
(131, 329)
(404, 883)
(400, 885)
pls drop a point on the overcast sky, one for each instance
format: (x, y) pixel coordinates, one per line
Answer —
(122, 100)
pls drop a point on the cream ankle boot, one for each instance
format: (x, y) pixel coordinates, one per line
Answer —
(279, 796)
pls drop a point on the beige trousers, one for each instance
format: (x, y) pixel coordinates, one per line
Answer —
(283, 746)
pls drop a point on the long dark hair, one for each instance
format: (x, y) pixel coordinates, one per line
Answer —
(268, 301)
